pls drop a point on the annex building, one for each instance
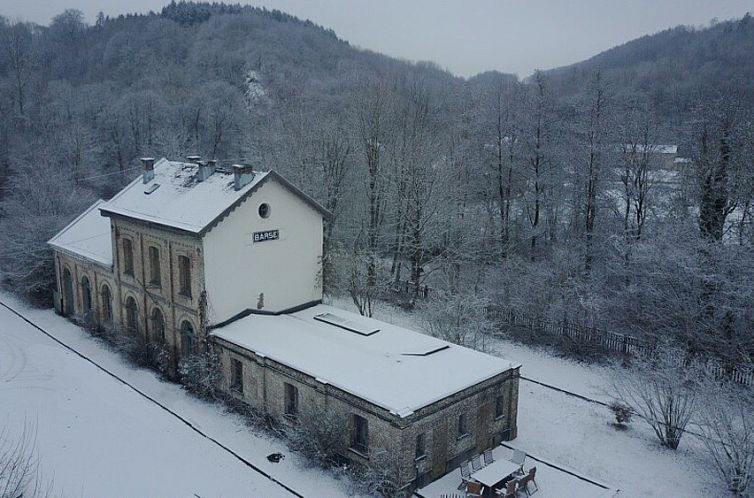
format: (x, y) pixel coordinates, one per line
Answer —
(194, 256)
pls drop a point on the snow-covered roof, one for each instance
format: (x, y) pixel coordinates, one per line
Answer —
(175, 198)
(87, 236)
(394, 368)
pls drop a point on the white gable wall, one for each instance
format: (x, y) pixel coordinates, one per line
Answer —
(287, 271)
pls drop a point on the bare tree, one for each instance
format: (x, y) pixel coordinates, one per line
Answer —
(662, 391)
(19, 465)
(727, 424)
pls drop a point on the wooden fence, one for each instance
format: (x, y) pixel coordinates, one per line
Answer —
(613, 342)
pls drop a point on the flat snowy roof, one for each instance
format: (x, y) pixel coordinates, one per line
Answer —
(87, 236)
(175, 197)
(395, 368)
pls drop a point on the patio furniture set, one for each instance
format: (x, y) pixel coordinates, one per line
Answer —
(501, 478)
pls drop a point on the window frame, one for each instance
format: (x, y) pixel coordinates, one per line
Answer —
(184, 275)
(128, 256)
(132, 315)
(236, 376)
(463, 426)
(87, 304)
(153, 321)
(290, 401)
(360, 435)
(421, 446)
(155, 272)
(188, 337)
(500, 407)
(106, 297)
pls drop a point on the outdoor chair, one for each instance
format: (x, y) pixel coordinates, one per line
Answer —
(532, 474)
(522, 484)
(519, 457)
(509, 491)
(465, 474)
(473, 489)
(488, 458)
(476, 463)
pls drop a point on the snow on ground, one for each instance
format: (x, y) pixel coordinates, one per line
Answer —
(578, 434)
(98, 437)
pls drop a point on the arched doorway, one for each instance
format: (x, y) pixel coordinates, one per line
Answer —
(86, 295)
(132, 316)
(67, 292)
(187, 339)
(158, 326)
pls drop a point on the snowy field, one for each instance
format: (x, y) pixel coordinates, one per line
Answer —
(98, 437)
(576, 434)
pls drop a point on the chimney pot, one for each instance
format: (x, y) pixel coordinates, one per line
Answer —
(194, 158)
(243, 174)
(148, 163)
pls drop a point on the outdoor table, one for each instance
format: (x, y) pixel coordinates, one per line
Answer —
(495, 472)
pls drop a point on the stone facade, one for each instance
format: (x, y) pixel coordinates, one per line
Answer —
(148, 294)
(263, 389)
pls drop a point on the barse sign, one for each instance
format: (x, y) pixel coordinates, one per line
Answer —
(266, 235)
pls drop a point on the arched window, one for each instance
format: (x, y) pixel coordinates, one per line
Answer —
(158, 325)
(107, 304)
(86, 295)
(187, 339)
(67, 292)
(132, 315)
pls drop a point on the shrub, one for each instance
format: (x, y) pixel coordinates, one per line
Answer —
(622, 413)
(200, 373)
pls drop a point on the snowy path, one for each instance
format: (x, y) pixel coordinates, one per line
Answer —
(98, 437)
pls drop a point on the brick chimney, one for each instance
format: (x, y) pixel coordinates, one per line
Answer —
(206, 169)
(148, 163)
(242, 175)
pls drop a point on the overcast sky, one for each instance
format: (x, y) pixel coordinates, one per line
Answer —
(464, 36)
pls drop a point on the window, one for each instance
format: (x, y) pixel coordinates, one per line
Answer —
(154, 266)
(264, 210)
(421, 446)
(184, 274)
(132, 315)
(463, 427)
(67, 292)
(158, 325)
(128, 257)
(187, 339)
(86, 295)
(107, 304)
(499, 406)
(291, 400)
(236, 376)
(360, 434)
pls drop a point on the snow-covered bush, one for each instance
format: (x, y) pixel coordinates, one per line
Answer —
(318, 435)
(621, 412)
(200, 373)
(458, 318)
(19, 465)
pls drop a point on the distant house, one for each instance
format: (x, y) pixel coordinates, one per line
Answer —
(665, 154)
(194, 257)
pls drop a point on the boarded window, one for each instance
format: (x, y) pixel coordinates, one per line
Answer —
(154, 266)
(107, 304)
(86, 295)
(499, 406)
(236, 376)
(463, 425)
(128, 257)
(158, 326)
(421, 446)
(132, 315)
(291, 400)
(187, 339)
(184, 275)
(360, 434)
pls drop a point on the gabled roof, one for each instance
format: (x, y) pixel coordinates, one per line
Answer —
(87, 236)
(392, 367)
(175, 198)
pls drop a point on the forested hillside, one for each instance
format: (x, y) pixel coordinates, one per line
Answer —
(544, 196)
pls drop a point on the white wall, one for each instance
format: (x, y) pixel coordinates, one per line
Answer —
(286, 270)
